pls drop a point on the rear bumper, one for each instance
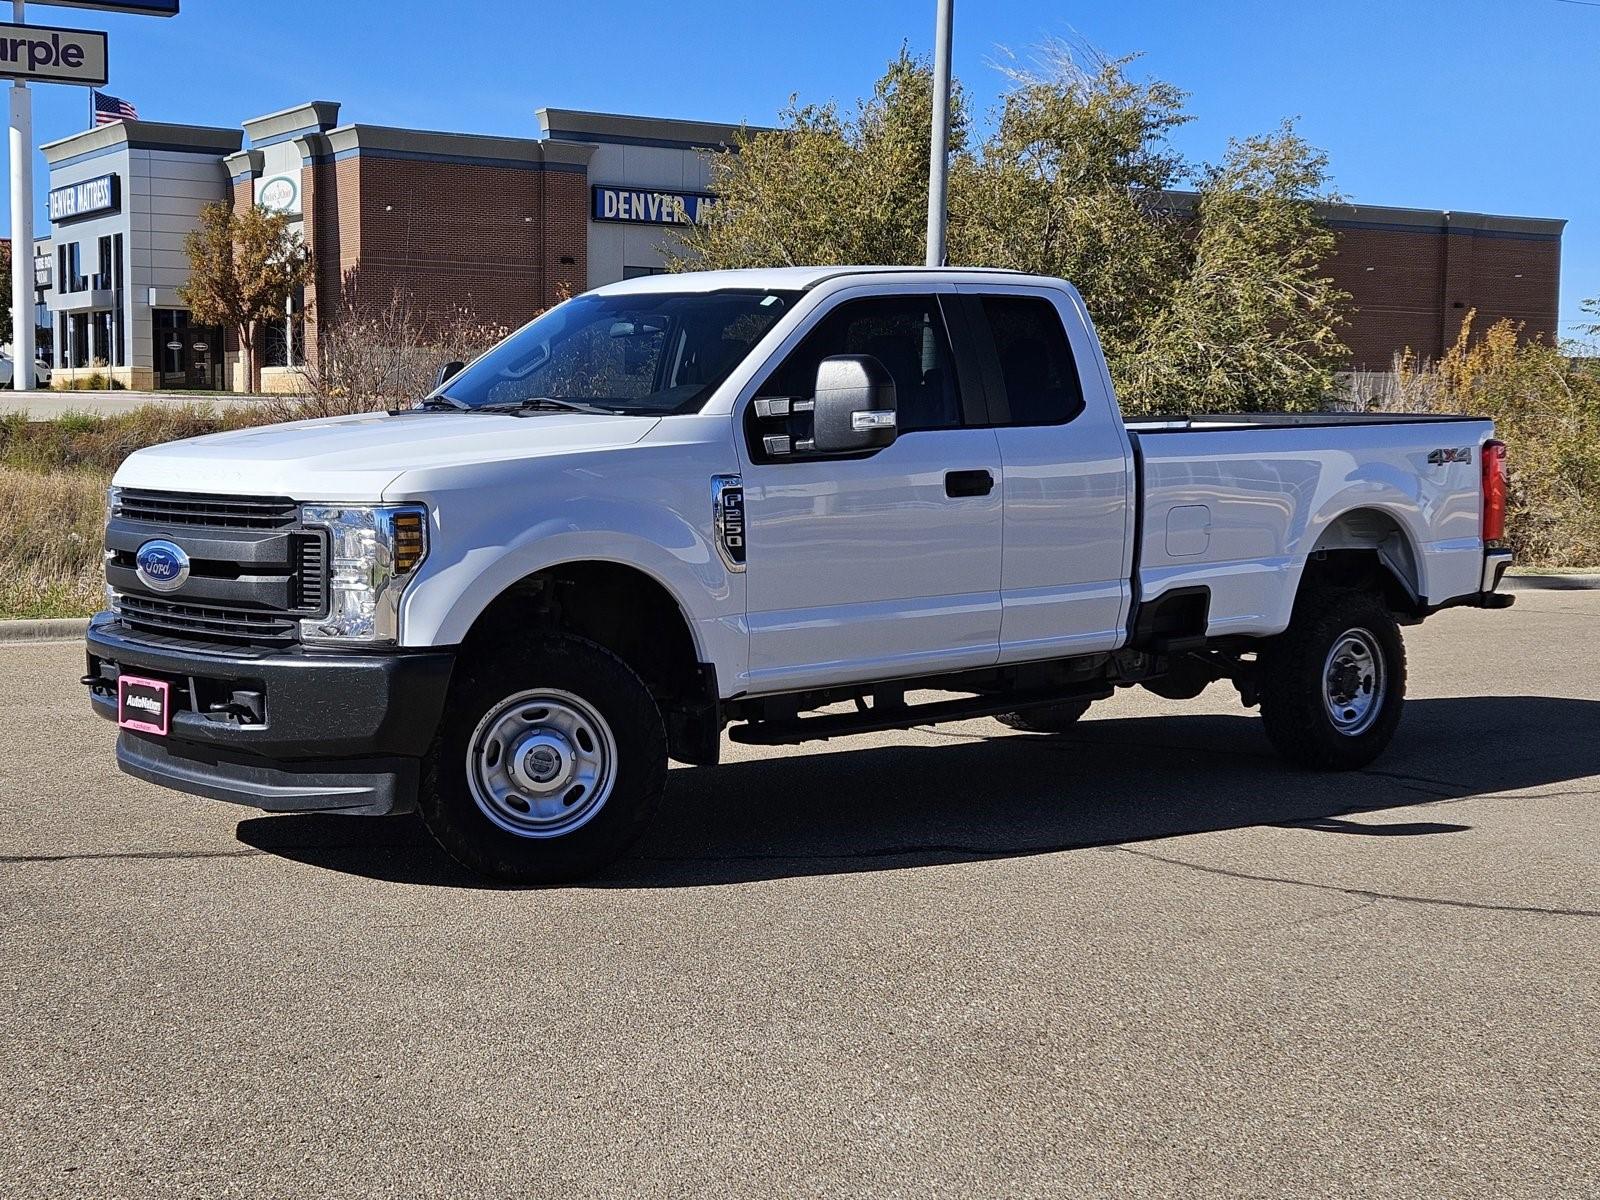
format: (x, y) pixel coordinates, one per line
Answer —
(1495, 563)
(1488, 595)
(306, 732)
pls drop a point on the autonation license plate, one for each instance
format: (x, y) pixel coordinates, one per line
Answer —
(144, 705)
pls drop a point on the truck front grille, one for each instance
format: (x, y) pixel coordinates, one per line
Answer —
(208, 622)
(255, 571)
(211, 512)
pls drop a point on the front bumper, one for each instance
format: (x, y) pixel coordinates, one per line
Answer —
(285, 731)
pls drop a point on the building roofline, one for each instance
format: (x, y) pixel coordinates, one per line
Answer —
(1423, 220)
(570, 124)
(145, 135)
(286, 122)
(384, 140)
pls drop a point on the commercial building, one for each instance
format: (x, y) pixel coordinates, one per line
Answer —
(499, 228)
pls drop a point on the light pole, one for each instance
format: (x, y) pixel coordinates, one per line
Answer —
(939, 147)
(21, 227)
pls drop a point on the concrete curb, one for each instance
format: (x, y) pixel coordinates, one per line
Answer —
(1573, 582)
(58, 630)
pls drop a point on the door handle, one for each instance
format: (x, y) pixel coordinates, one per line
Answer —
(967, 483)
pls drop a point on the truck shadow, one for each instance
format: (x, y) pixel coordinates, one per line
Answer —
(973, 797)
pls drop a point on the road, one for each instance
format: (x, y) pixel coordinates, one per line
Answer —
(1143, 959)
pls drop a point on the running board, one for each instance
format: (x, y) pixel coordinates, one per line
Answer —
(899, 716)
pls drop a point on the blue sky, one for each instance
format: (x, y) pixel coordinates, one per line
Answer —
(1474, 105)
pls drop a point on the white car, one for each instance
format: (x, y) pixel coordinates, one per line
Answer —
(689, 503)
(41, 371)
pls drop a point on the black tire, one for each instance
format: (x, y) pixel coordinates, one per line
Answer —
(1052, 718)
(637, 751)
(1300, 693)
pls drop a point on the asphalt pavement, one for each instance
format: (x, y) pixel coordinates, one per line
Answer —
(1143, 959)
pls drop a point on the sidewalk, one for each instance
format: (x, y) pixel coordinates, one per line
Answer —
(46, 404)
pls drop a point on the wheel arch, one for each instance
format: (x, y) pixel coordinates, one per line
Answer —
(1369, 546)
(632, 613)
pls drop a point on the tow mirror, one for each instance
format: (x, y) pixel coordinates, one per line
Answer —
(447, 372)
(855, 405)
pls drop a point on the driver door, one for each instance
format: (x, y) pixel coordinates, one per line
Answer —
(884, 563)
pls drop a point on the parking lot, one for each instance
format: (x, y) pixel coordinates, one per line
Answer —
(1142, 959)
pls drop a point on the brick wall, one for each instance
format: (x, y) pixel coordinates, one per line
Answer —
(499, 242)
(1412, 289)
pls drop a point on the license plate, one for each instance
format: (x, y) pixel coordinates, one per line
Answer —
(144, 705)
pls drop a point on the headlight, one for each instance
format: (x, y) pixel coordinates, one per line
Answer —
(374, 551)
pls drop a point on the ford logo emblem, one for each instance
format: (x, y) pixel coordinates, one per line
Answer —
(161, 565)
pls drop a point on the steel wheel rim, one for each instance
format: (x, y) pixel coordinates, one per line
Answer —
(1353, 677)
(541, 763)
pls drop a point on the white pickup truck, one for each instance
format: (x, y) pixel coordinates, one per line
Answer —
(791, 504)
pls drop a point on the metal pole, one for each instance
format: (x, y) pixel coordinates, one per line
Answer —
(939, 149)
(21, 227)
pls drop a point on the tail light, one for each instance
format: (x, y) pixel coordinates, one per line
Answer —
(1494, 490)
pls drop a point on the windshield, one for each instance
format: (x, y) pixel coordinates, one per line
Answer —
(653, 353)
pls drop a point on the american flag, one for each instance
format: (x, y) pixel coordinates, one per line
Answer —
(109, 109)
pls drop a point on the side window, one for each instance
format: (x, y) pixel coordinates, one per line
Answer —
(1036, 364)
(906, 334)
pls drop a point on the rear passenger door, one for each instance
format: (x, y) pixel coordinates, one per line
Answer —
(878, 564)
(1065, 576)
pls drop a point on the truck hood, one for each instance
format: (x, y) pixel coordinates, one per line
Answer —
(357, 457)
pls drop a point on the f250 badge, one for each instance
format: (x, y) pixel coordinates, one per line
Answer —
(727, 518)
(1442, 457)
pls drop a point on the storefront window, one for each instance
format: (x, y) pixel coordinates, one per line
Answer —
(78, 340)
(102, 278)
(102, 338)
(283, 342)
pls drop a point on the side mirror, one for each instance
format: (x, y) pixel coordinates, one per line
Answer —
(447, 372)
(855, 405)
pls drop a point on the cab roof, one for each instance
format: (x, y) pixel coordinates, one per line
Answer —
(788, 279)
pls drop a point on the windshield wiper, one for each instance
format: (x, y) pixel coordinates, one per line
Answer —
(548, 403)
(442, 402)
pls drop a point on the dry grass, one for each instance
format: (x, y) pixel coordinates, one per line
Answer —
(53, 479)
(50, 556)
(86, 441)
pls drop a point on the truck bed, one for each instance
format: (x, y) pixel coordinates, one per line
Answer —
(1224, 508)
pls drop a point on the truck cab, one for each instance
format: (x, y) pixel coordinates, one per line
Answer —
(735, 501)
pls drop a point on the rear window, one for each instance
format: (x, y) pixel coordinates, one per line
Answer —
(1036, 363)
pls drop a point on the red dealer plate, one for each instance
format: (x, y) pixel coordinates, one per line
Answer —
(144, 705)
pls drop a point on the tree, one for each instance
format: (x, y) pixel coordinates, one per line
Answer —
(1204, 300)
(1074, 182)
(1592, 307)
(828, 188)
(1252, 320)
(243, 267)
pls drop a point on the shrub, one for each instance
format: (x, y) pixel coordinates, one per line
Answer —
(373, 357)
(1546, 406)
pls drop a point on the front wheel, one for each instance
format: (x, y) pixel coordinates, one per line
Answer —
(552, 759)
(1333, 683)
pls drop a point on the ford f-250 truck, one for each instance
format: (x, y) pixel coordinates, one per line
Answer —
(791, 504)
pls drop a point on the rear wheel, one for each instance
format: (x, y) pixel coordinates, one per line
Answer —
(1050, 718)
(551, 761)
(1332, 685)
